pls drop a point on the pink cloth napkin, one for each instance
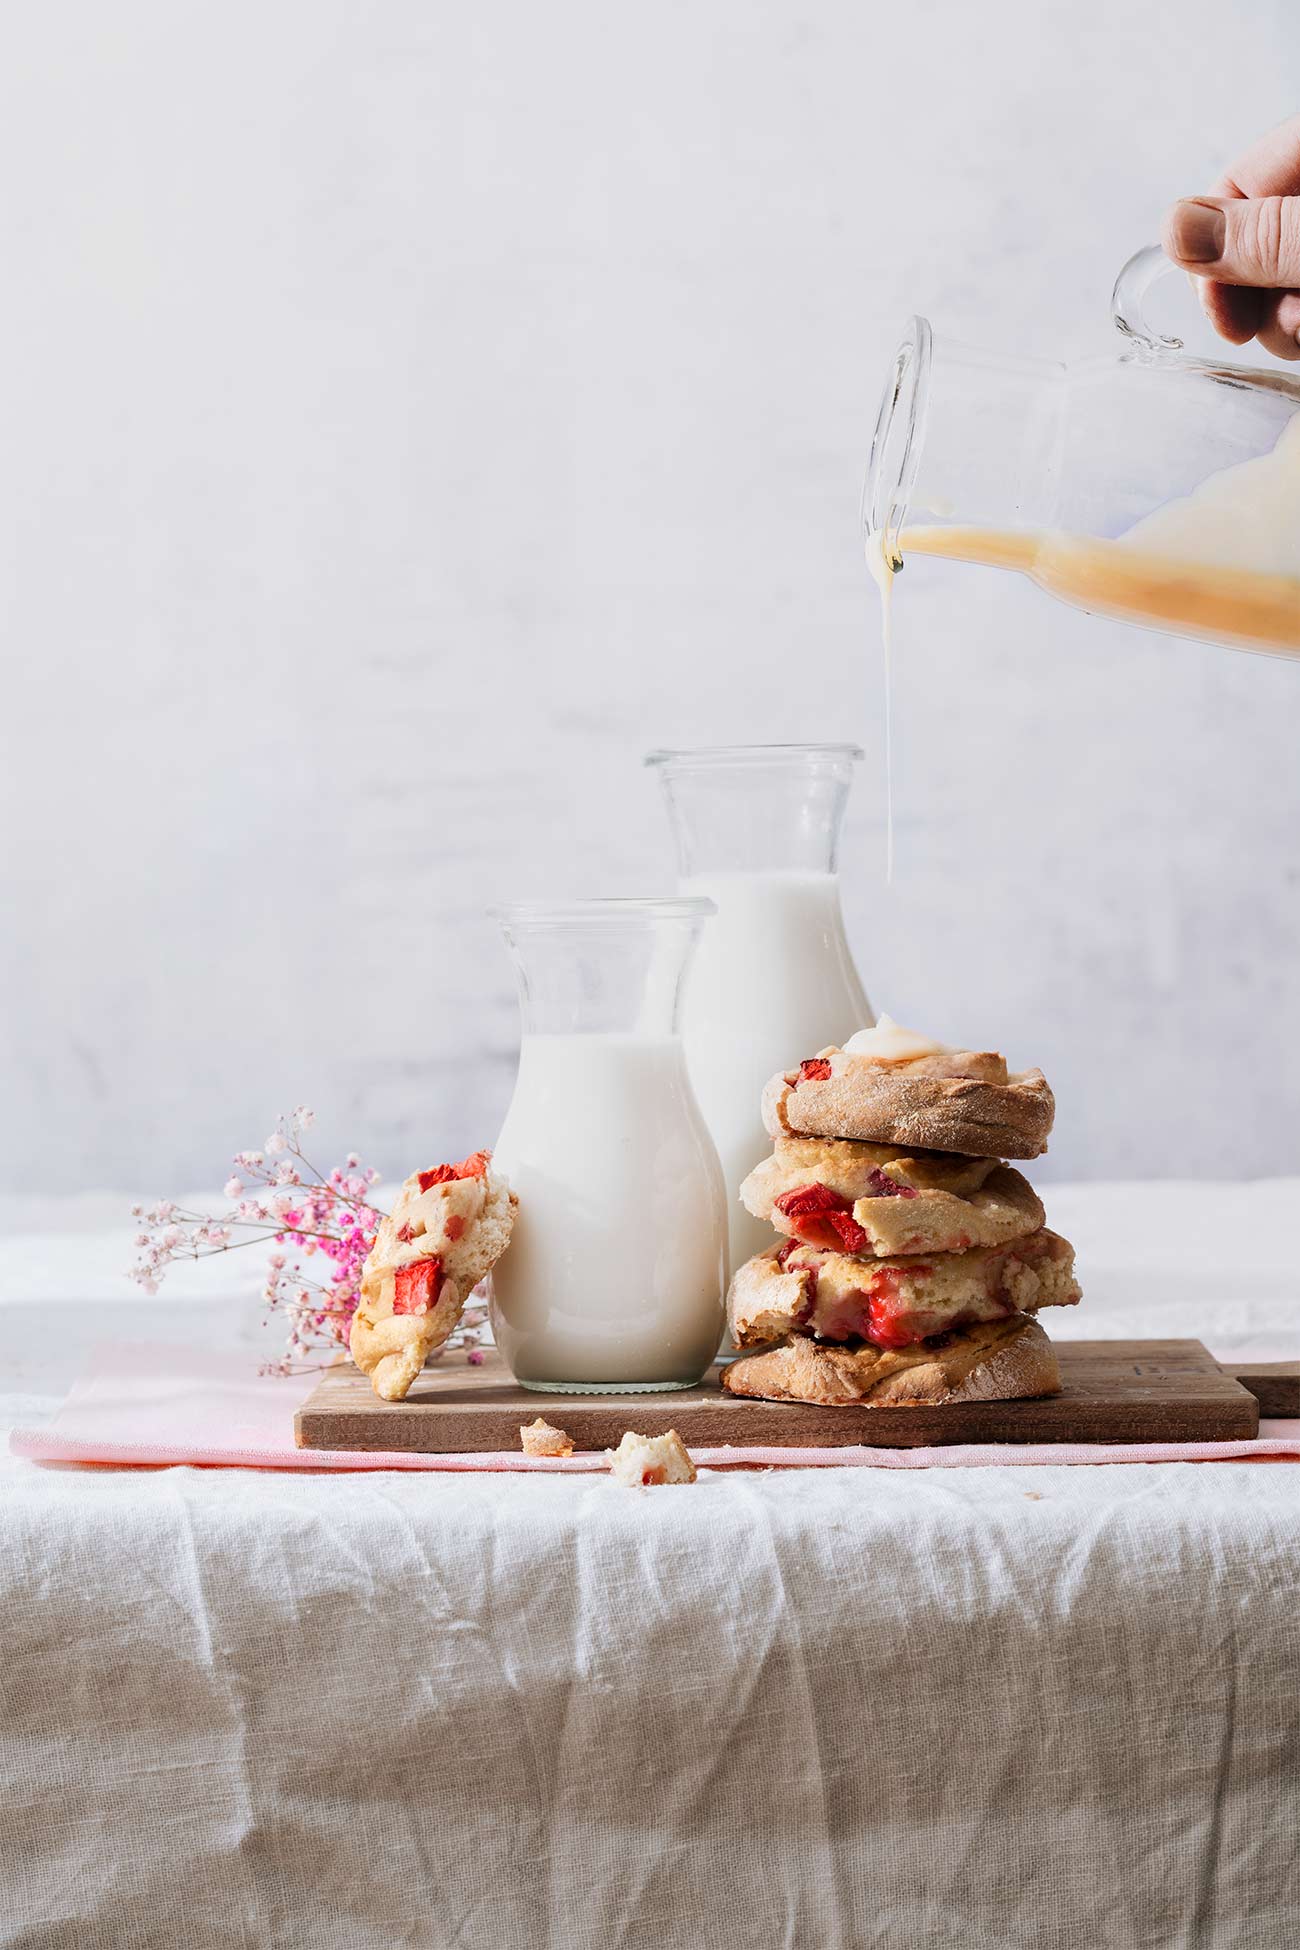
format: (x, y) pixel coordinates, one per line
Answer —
(148, 1404)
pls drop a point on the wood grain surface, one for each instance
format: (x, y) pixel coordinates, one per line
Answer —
(1114, 1391)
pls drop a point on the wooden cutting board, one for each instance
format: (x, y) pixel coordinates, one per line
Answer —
(1114, 1391)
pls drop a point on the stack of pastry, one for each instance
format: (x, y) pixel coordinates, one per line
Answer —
(913, 1258)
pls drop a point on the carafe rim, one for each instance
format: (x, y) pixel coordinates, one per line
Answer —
(610, 911)
(712, 756)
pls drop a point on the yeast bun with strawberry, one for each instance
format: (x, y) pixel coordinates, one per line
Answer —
(447, 1229)
(895, 1303)
(889, 1085)
(886, 1199)
(914, 1259)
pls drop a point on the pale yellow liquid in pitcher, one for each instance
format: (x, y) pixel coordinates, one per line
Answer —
(1218, 564)
(1237, 606)
(1170, 570)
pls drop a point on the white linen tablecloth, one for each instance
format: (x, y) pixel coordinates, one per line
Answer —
(1039, 1707)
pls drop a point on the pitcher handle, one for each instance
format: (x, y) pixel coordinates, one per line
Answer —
(1132, 287)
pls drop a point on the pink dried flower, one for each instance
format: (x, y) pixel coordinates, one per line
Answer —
(324, 1217)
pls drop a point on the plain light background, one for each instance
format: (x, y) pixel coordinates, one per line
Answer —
(411, 413)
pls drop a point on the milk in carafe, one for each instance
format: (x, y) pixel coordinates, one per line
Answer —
(615, 1263)
(773, 982)
(773, 979)
(616, 1271)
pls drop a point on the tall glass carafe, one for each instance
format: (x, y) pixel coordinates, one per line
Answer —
(757, 830)
(1151, 485)
(615, 1276)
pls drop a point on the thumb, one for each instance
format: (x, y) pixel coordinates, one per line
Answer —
(1237, 240)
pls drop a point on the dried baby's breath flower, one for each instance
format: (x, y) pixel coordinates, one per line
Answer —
(279, 1198)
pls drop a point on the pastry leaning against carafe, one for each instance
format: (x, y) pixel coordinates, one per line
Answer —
(913, 1259)
(446, 1231)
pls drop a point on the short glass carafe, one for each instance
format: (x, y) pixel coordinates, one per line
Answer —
(614, 1279)
(1152, 485)
(757, 830)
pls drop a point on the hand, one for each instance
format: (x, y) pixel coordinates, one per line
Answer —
(1243, 243)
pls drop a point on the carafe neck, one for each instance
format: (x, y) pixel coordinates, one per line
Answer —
(756, 808)
(602, 967)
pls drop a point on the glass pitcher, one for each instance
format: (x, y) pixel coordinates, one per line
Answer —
(1150, 485)
(614, 1280)
(757, 830)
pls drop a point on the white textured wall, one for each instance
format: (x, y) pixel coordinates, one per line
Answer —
(411, 412)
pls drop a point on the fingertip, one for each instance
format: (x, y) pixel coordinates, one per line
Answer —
(1288, 313)
(1280, 331)
(1235, 311)
(1193, 232)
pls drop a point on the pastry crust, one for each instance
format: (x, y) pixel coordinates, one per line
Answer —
(962, 1100)
(392, 1349)
(883, 1200)
(896, 1303)
(1000, 1361)
(447, 1229)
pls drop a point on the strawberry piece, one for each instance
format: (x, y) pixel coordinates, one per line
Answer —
(416, 1286)
(850, 1234)
(886, 1322)
(822, 1218)
(455, 1227)
(816, 1069)
(472, 1167)
(405, 1234)
(883, 1186)
(806, 1200)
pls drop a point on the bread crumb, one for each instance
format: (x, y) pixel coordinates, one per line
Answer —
(540, 1439)
(643, 1460)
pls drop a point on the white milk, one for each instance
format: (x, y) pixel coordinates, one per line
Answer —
(615, 1270)
(772, 983)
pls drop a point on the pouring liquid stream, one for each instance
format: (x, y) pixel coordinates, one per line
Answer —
(882, 572)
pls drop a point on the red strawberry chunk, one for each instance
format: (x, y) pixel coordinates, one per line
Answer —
(887, 1323)
(472, 1167)
(416, 1286)
(817, 1069)
(822, 1217)
(805, 1200)
(405, 1234)
(883, 1186)
(455, 1227)
(851, 1235)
